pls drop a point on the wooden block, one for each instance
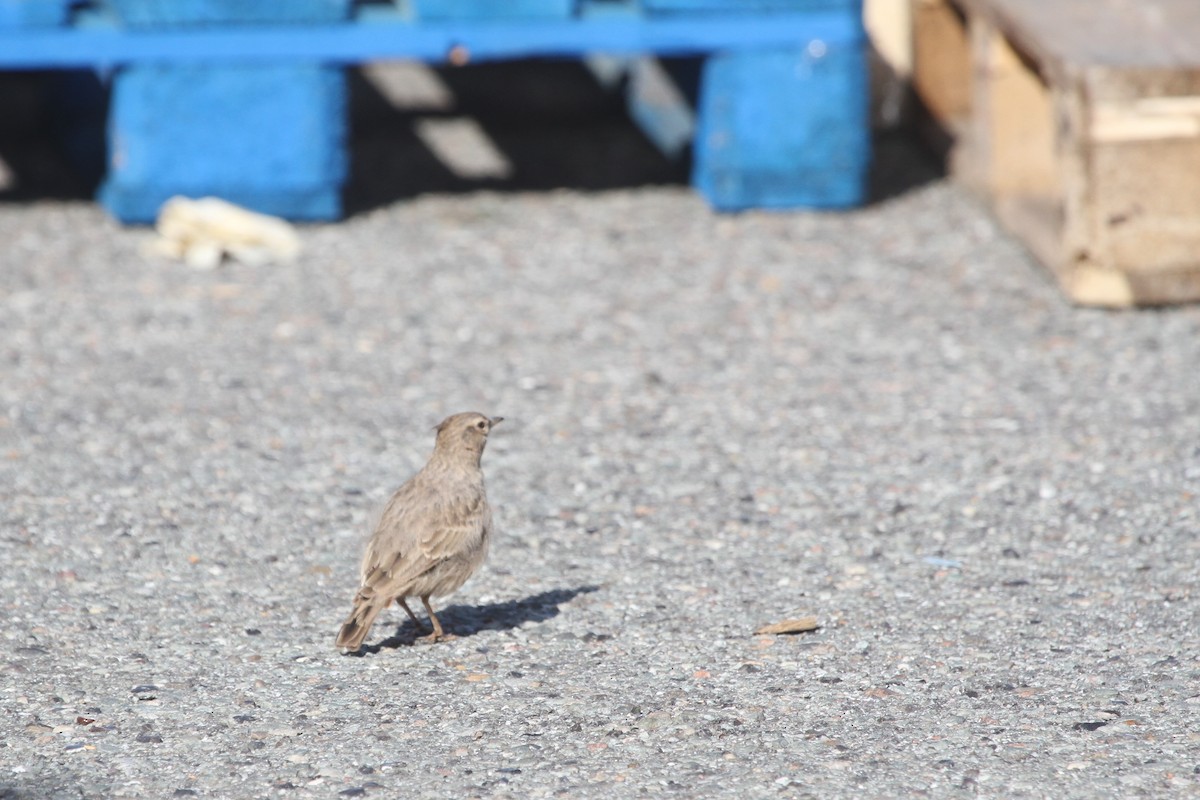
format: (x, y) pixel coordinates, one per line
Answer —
(784, 128)
(1139, 155)
(941, 61)
(774, 127)
(1014, 120)
(271, 138)
(1081, 126)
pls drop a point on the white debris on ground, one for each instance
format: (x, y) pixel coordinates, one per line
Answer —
(202, 232)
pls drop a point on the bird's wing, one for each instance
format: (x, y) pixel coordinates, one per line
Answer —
(416, 533)
(458, 530)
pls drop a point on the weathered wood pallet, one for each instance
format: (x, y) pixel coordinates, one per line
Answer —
(1079, 121)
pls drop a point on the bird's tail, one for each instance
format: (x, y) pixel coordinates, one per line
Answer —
(358, 624)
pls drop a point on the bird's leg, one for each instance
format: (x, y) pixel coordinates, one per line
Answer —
(404, 604)
(438, 634)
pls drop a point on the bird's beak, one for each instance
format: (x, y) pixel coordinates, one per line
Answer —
(496, 420)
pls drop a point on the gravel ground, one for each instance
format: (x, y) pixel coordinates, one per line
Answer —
(888, 418)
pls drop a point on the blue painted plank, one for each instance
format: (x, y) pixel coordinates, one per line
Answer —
(23, 14)
(159, 13)
(93, 43)
(491, 9)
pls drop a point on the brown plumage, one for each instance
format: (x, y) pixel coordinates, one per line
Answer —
(433, 534)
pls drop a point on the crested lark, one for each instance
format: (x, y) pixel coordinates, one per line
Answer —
(433, 534)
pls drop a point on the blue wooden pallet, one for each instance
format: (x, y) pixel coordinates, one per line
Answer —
(231, 109)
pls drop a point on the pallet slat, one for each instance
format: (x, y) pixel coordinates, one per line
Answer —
(378, 36)
(1149, 118)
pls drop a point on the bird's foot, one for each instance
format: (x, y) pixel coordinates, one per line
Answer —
(436, 637)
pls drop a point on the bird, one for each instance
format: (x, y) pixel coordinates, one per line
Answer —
(433, 534)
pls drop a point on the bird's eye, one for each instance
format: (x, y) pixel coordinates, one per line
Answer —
(481, 424)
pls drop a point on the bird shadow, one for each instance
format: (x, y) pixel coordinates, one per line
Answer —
(467, 620)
